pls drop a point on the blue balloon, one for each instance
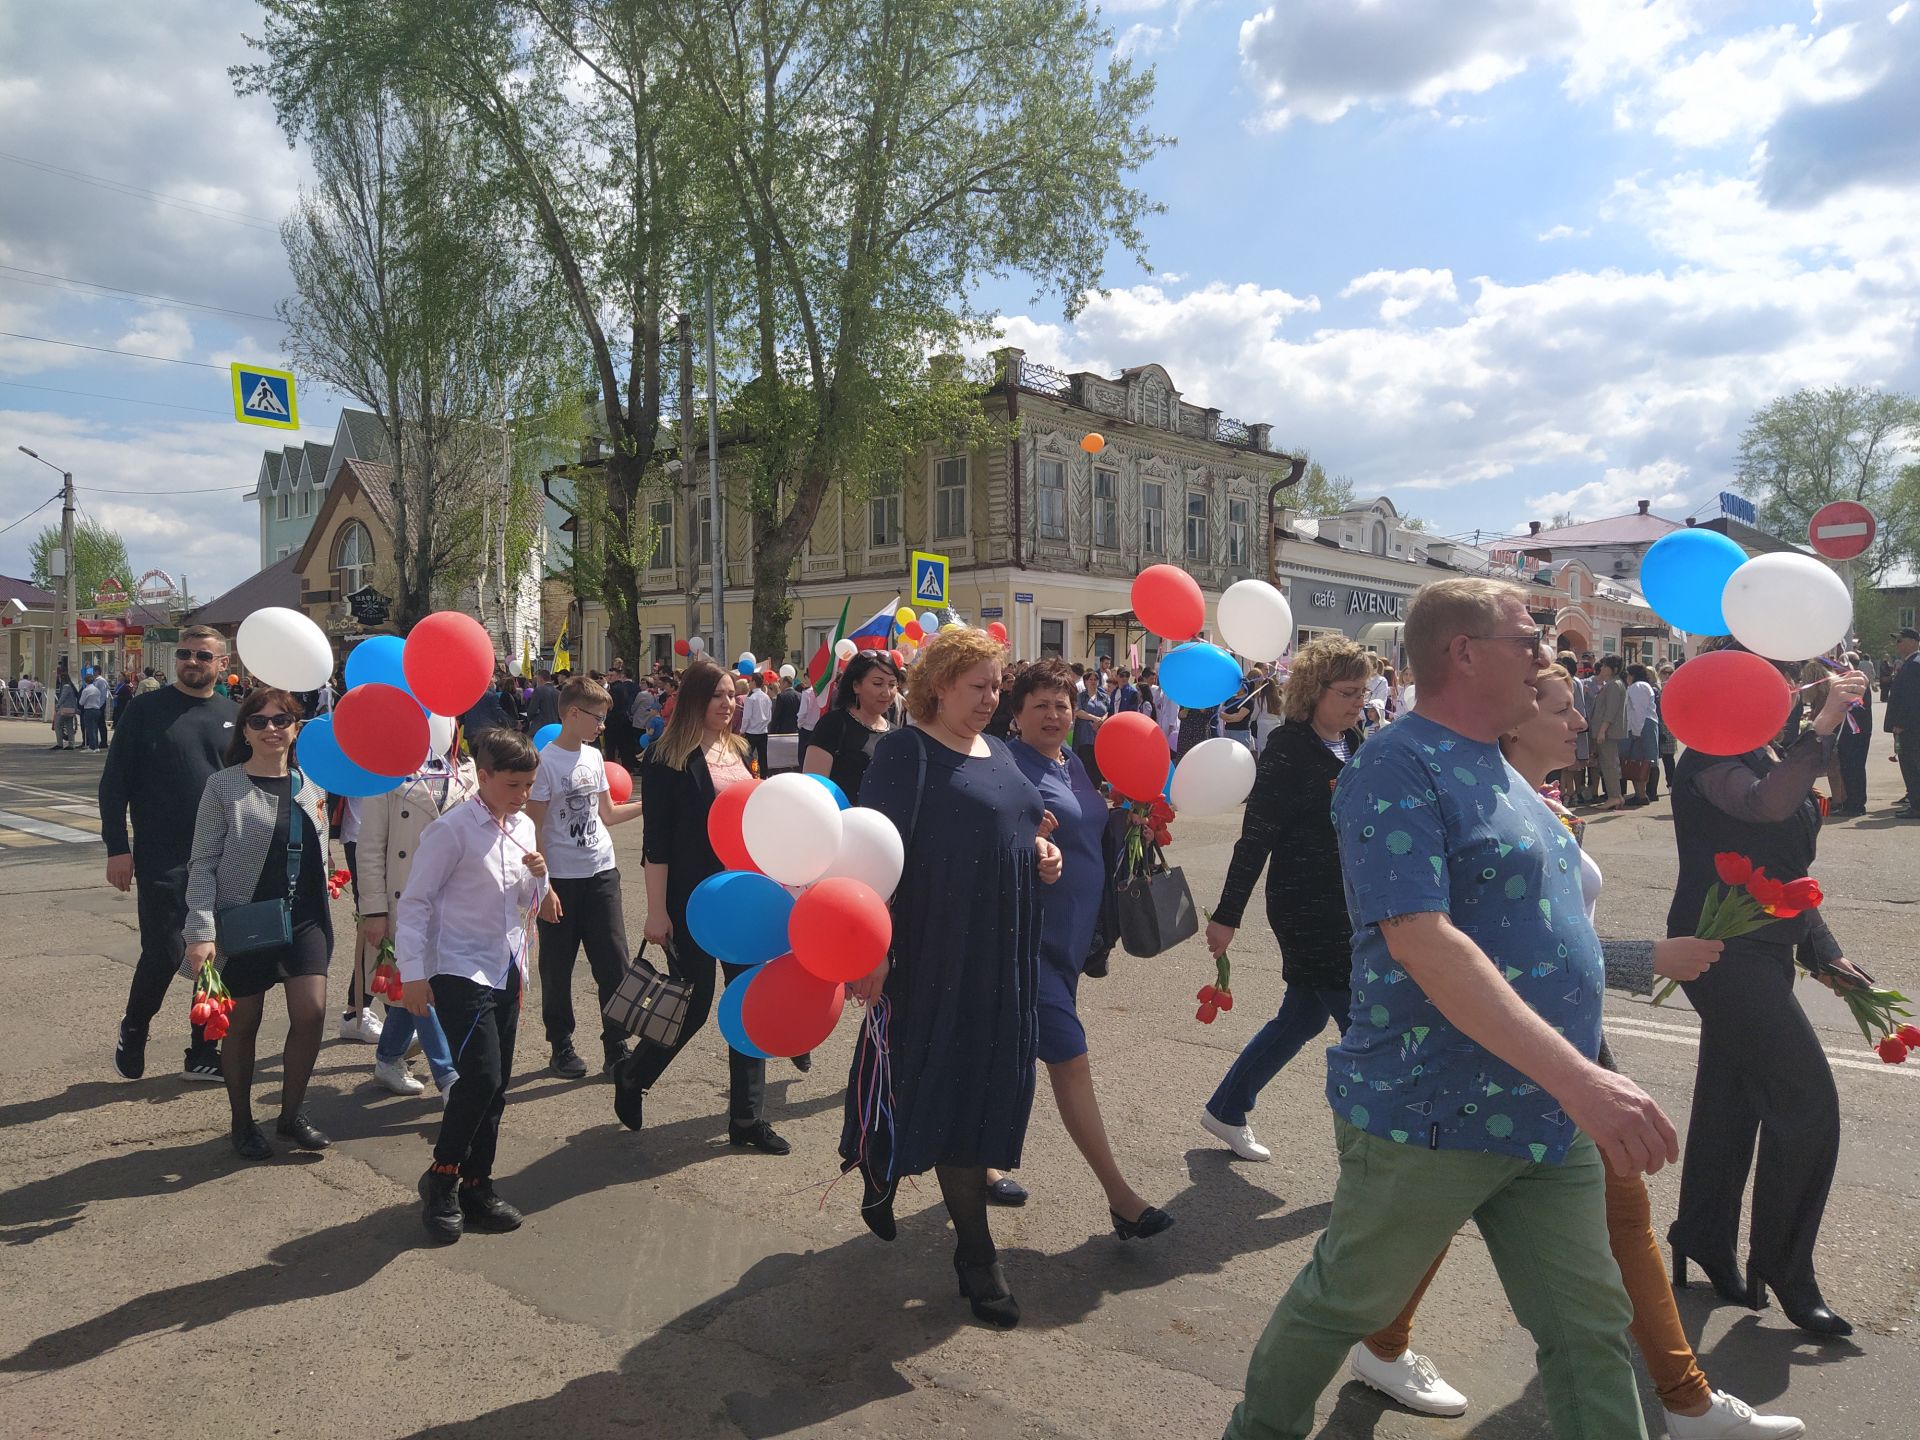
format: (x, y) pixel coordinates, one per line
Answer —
(1199, 676)
(745, 667)
(376, 661)
(839, 795)
(545, 736)
(320, 757)
(733, 1028)
(1683, 575)
(656, 725)
(740, 916)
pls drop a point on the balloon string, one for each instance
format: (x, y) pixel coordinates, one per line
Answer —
(1853, 723)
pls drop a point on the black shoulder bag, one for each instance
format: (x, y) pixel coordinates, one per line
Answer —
(648, 1005)
(265, 924)
(1155, 906)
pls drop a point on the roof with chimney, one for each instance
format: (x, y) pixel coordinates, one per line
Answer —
(1638, 527)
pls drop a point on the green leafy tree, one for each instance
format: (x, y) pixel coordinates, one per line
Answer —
(1319, 493)
(98, 554)
(1846, 442)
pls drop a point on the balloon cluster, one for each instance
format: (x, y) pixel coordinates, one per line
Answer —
(399, 694)
(803, 901)
(1780, 607)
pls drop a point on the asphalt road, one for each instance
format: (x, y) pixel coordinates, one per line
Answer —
(665, 1285)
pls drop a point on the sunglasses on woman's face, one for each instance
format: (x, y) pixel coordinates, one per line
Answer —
(278, 721)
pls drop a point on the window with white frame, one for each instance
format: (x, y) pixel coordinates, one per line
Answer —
(283, 507)
(950, 499)
(660, 522)
(353, 557)
(1053, 638)
(1106, 509)
(1237, 533)
(1199, 541)
(1153, 517)
(1052, 476)
(705, 512)
(306, 503)
(1906, 617)
(883, 513)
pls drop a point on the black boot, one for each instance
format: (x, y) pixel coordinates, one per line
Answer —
(876, 1204)
(295, 1126)
(481, 1209)
(985, 1288)
(1800, 1300)
(442, 1215)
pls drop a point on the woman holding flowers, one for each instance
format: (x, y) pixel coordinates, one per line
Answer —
(1752, 821)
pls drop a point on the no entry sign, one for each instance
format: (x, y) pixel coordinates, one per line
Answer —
(1842, 530)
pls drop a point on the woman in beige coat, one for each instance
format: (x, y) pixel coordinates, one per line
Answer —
(390, 830)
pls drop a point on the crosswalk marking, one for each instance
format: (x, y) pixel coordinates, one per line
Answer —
(1649, 1030)
(45, 830)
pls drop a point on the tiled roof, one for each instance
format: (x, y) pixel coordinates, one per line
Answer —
(278, 584)
(27, 593)
(369, 437)
(317, 457)
(377, 481)
(1633, 529)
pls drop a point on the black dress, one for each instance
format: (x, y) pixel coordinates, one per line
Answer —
(960, 996)
(851, 744)
(312, 945)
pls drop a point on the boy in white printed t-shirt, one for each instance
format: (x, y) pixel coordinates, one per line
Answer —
(572, 809)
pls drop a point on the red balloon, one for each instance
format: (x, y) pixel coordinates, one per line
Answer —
(899, 658)
(997, 631)
(619, 783)
(1169, 603)
(448, 662)
(1133, 755)
(787, 1009)
(839, 929)
(381, 728)
(1726, 703)
(680, 647)
(913, 631)
(723, 826)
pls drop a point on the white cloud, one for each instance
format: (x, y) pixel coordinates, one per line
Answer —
(1321, 58)
(1405, 290)
(159, 332)
(1563, 232)
(1663, 484)
(1733, 92)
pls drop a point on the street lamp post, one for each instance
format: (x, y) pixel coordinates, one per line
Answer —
(68, 640)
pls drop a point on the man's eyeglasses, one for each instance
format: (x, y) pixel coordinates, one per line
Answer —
(279, 720)
(205, 657)
(1531, 638)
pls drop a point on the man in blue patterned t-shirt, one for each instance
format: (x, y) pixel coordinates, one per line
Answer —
(1465, 1086)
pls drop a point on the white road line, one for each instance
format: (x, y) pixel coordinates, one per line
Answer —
(46, 829)
(1843, 1061)
(43, 794)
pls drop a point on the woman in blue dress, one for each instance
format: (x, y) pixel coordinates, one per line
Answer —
(943, 1076)
(1076, 821)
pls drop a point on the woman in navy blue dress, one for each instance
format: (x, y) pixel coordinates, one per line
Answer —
(959, 989)
(1076, 821)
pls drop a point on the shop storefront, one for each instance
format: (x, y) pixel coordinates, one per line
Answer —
(1373, 612)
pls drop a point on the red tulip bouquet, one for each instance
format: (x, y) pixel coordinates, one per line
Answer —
(1218, 996)
(386, 974)
(212, 1002)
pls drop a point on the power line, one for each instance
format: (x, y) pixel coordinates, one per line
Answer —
(109, 350)
(198, 207)
(51, 281)
(31, 513)
(123, 399)
(210, 490)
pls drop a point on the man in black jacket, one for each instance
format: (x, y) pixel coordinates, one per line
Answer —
(1903, 718)
(166, 745)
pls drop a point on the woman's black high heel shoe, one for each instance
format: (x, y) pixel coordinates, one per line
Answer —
(1725, 1280)
(985, 1288)
(1801, 1302)
(876, 1204)
(1151, 1222)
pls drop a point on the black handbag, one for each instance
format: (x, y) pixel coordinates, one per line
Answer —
(265, 924)
(648, 1005)
(1156, 909)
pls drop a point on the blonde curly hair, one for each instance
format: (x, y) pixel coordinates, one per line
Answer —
(946, 656)
(1330, 660)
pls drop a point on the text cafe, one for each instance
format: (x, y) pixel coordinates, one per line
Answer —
(1371, 614)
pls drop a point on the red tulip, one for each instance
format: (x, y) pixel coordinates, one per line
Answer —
(1765, 889)
(1207, 992)
(1909, 1036)
(1205, 1015)
(1733, 869)
(1892, 1050)
(1224, 999)
(1803, 894)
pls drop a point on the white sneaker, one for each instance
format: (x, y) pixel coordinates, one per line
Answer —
(1411, 1380)
(1237, 1138)
(394, 1075)
(1729, 1415)
(363, 1026)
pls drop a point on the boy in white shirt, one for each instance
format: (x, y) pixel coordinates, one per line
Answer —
(461, 941)
(571, 810)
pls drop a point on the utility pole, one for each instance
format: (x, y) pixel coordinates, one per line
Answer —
(717, 645)
(690, 511)
(70, 652)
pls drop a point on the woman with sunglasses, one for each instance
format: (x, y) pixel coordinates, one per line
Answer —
(844, 740)
(261, 836)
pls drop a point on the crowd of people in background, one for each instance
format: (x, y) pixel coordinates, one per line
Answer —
(1377, 806)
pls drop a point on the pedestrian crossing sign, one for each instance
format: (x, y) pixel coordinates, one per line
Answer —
(265, 397)
(929, 578)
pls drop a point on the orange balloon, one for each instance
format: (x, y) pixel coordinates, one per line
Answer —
(233, 679)
(1093, 442)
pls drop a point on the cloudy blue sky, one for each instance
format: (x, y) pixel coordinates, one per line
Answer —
(1495, 258)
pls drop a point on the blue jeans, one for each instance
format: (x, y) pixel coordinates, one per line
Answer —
(398, 1030)
(1303, 1014)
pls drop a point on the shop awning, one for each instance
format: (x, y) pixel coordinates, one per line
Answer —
(107, 629)
(1655, 632)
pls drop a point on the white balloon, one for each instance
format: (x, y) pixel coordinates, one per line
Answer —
(285, 649)
(930, 622)
(845, 649)
(1255, 620)
(696, 645)
(870, 851)
(1786, 607)
(746, 658)
(787, 672)
(439, 734)
(1212, 778)
(792, 828)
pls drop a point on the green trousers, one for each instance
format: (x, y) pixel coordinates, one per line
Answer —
(1394, 1209)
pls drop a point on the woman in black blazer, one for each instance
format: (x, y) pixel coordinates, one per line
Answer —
(1288, 829)
(695, 758)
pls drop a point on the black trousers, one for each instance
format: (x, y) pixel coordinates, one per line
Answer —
(1852, 755)
(590, 912)
(1910, 764)
(1761, 1073)
(481, 1024)
(163, 917)
(758, 745)
(746, 1077)
(619, 744)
